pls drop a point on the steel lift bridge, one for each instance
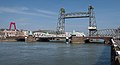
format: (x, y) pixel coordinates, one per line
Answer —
(89, 14)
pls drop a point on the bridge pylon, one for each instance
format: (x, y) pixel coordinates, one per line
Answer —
(92, 22)
(61, 23)
(12, 23)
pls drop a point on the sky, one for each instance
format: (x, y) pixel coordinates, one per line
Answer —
(43, 14)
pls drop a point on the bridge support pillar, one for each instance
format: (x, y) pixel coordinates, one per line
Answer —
(30, 39)
(77, 39)
(107, 41)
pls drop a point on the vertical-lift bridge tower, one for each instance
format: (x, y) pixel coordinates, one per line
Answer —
(90, 14)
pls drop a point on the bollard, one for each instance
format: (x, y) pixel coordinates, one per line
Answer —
(67, 40)
(25, 39)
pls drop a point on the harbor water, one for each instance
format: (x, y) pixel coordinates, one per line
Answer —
(49, 53)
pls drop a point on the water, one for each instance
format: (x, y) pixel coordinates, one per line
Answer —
(45, 53)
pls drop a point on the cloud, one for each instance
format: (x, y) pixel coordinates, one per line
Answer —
(46, 12)
(27, 11)
(19, 20)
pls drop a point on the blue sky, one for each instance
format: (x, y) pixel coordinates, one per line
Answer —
(43, 14)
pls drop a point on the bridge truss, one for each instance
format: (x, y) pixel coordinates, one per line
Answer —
(107, 32)
(90, 14)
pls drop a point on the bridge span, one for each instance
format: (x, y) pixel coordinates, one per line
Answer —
(107, 39)
(74, 39)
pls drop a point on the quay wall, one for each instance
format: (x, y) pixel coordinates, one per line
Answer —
(8, 39)
(115, 55)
